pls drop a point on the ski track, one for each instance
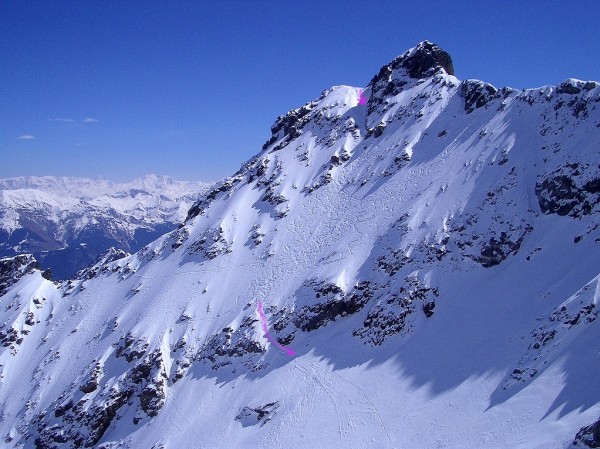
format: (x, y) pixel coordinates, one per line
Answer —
(324, 378)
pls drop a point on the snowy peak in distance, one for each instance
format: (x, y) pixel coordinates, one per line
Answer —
(137, 198)
(68, 222)
(91, 188)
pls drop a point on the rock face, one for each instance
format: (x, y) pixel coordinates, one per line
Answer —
(81, 417)
(423, 61)
(565, 322)
(14, 268)
(561, 195)
(477, 94)
(588, 436)
(249, 416)
(379, 271)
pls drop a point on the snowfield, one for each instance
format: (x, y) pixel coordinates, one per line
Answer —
(431, 257)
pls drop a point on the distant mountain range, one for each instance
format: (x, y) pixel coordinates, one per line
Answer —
(68, 222)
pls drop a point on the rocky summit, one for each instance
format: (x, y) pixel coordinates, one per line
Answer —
(427, 268)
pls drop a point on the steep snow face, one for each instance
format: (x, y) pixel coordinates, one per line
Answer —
(68, 222)
(427, 268)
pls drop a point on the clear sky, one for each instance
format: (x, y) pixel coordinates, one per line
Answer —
(189, 89)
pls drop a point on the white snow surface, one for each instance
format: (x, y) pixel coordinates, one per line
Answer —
(153, 198)
(419, 211)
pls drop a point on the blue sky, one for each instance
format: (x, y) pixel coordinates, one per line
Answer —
(189, 89)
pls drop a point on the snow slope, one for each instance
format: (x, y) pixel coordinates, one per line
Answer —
(68, 222)
(431, 258)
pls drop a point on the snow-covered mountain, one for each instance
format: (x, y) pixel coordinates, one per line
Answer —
(68, 222)
(419, 271)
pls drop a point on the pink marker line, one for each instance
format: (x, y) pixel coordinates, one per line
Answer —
(361, 99)
(289, 351)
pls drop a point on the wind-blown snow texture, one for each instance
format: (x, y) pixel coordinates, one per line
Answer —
(68, 222)
(432, 257)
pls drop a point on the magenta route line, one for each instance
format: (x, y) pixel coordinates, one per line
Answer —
(361, 99)
(288, 351)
